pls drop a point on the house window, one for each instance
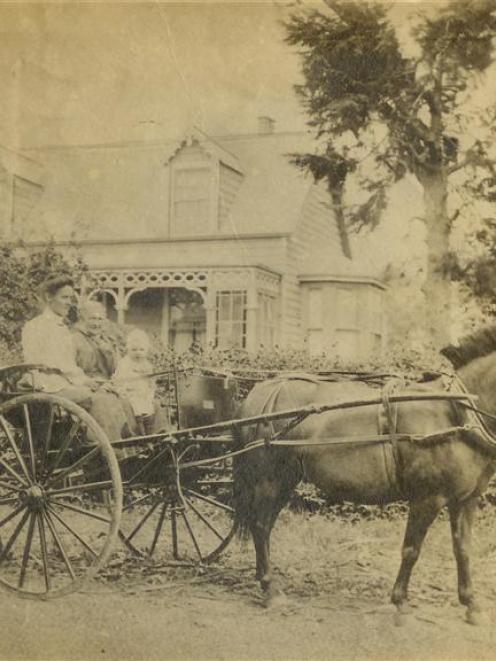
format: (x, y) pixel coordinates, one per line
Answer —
(359, 322)
(347, 322)
(315, 308)
(230, 321)
(25, 196)
(191, 204)
(373, 320)
(267, 319)
(315, 330)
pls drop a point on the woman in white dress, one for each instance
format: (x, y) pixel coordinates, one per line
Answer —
(48, 341)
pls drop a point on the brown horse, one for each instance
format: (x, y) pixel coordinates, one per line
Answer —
(439, 457)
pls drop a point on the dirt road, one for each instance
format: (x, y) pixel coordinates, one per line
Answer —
(337, 577)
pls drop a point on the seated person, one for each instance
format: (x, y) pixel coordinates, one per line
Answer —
(133, 381)
(47, 340)
(98, 345)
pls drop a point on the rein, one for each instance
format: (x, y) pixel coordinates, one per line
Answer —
(481, 412)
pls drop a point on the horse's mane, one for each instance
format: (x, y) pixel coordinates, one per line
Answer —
(476, 345)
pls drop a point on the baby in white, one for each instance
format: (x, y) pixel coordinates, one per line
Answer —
(132, 378)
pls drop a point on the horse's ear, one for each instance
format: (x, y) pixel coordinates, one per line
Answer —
(453, 355)
(429, 376)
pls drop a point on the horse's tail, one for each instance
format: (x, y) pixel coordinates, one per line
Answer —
(244, 480)
(258, 466)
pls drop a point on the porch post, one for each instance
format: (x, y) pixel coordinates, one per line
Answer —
(210, 307)
(165, 325)
(120, 305)
(251, 312)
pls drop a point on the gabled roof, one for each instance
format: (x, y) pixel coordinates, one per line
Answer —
(208, 145)
(122, 190)
(20, 164)
(273, 192)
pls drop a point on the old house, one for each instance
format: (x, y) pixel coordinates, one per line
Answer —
(21, 190)
(217, 240)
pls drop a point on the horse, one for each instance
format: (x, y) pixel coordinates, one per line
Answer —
(434, 453)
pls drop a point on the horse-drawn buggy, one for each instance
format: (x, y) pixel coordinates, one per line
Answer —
(68, 494)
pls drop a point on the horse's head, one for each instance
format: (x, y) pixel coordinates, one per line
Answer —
(477, 345)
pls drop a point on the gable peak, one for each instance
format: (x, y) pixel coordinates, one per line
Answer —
(195, 136)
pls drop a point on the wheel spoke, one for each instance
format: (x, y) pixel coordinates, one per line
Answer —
(16, 451)
(27, 550)
(9, 501)
(175, 549)
(44, 550)
(146, 467)
(135, 502)
(48, 438)
(77, 464)
(14, 536)
(14, 473)
(73, 532)
(74, 508)
(143, 520)
(91, 486)
(12, 514)
(59, 544)
(191, 534)
(158, 529)
(65, 446)
(210, 500)
(9, 486)
(204, 519)
(29, 432)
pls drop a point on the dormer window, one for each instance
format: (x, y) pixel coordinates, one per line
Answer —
(191, 201)
(204, 180)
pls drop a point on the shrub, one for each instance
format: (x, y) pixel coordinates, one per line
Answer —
(21, 273)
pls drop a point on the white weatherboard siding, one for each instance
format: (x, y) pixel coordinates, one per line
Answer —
(231, 207)
(187, 253)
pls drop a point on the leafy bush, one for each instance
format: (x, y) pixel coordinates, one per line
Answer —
(265, 362)
(21, 273)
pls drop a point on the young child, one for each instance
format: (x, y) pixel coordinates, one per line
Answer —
(132, 382)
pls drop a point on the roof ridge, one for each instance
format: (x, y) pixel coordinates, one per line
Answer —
(155, 143)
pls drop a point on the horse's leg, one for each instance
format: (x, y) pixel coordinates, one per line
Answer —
(461, 519)
(265, 512)
(422, 514)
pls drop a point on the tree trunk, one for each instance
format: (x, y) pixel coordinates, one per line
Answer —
(337, 206)
(437, 286)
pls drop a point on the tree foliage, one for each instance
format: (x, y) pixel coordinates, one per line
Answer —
(382, 111)
(21, 273)
(359, 82)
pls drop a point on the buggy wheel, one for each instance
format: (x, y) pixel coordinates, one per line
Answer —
(178, 513)
(60, 496)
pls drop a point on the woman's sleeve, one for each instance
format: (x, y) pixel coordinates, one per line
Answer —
(31, 346)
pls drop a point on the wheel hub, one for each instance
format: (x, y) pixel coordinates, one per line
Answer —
(34, 498)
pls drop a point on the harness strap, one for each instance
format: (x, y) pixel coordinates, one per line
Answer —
(388, 422)
(267, 426)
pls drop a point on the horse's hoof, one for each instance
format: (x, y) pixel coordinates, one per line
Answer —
(402, 616)
(477, 617)
(276, 601)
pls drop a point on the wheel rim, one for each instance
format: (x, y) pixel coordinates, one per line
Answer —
(186, 516)
(60, 496)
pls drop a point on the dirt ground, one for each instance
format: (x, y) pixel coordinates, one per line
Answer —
(337, 577)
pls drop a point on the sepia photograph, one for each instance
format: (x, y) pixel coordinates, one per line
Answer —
(248, 330)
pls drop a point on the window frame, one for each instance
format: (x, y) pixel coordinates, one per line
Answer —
(211, 221)
(231, 321)
(263, 325)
